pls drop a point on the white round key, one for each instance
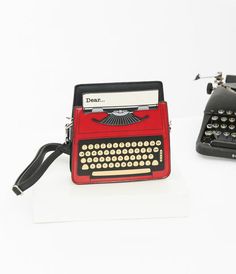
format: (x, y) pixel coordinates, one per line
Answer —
(90, 146)
(84, 147)
(158, 143)
(111, 165)
(83, 160)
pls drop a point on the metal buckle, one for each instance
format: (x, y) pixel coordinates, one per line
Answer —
(17, 190)
(68, 127)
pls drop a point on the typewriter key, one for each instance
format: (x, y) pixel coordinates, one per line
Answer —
(115, 145)
(229, 112)
(226, 133)
(217, 132)
(223, 126)
(118, 152)
(148, 163)
(146, 143)
(231, 127)
(209, 126)
(112, 152)
(121, 145)
(108, 159)
(155, 163)
(101, 159)
(135, 163)
(90, 146)
(232, 120)
(132, 157)
(134, 144)
(150, 150)
(120, 158)
(83, 160)
(92, 166)
(155, 149)
(141, 163)
(114, 158)
(123, 164)
(214, 118)
(143, 150)
(105, 165)
(131, 151)
(158, 143)
(215, 125)
(126, 158)
(100, 152)
(98, 165)
(87, 153)
(106, 152)
(221, 111)
(89, 160)
(103, 146)
(208, 133)
(95, 159)
(233, 134)
(96, 146)
(145, 157)
(85, 167)
(129, 164)
(140, 144)
(81, 154)
(152, 143)
(127, 144)
(150, 156)
(124, 151)
(137, 150)
(138, 157)
(223, 119)
(84, 147)
(117, 164)
(111, 165)
(109, 145)
(94, 153)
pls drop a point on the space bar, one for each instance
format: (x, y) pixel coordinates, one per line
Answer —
(121, 172)
(223, 144)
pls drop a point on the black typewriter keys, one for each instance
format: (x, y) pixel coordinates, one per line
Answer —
(229, 112)
(221, 111)
(223, 119)
(214, 118)
(226, 133)
(208, 132)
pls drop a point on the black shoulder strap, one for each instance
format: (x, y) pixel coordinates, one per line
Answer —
(39, 165)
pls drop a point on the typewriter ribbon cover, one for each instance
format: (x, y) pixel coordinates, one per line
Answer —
(120, 133)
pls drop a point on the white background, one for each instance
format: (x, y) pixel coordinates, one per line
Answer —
(46, 47)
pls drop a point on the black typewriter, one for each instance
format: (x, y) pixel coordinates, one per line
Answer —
(217, 136)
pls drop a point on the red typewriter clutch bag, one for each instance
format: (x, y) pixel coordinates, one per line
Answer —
(118, 132)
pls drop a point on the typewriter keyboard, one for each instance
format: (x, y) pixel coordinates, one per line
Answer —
(121, 156)
(220, 130)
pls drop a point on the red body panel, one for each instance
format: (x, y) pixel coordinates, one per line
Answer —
(85, 128)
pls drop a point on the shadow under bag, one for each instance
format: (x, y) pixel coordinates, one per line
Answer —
(118, 132)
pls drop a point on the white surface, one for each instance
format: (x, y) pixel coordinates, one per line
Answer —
(49, 46)
(59, 200)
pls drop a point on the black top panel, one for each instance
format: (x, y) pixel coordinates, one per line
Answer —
(230, 79)
(116, 87)
(222, 98)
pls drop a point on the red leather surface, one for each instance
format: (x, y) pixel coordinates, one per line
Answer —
(86, 128)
